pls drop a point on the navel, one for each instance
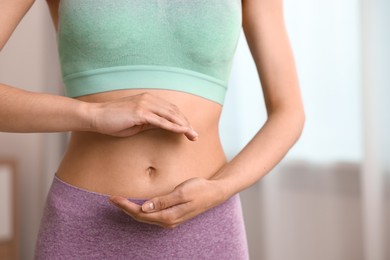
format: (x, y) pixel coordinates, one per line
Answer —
(151, 171)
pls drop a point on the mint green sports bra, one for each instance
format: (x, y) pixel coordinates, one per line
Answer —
(182, 45)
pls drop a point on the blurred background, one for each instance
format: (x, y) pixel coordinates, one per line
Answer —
(327, 199)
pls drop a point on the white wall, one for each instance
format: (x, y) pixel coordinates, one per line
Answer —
(325, 37)
(326, 40)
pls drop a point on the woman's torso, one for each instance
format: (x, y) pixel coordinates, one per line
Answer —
(150, 163)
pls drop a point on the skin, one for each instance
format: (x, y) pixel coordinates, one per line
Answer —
(138, 144)
(264, 28)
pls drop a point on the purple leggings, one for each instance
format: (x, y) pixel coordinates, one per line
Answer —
(80, 224)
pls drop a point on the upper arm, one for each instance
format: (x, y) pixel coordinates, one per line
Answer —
(264, 28)
(53, 8)
(11, 13)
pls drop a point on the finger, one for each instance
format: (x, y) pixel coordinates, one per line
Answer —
(168, 110)
(172, 113)
(191, 134)
(161, 122)
(179, 119)
(130, 208)
(123, 203)
(175, 198)
(167, 218)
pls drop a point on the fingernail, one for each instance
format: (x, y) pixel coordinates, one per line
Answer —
(148, 206)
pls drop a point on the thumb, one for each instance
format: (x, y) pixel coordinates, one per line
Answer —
(163, 202)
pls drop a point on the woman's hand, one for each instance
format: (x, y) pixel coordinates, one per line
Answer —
(130, 115)
(187, 200)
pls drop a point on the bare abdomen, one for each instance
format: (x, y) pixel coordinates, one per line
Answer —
(150, 163)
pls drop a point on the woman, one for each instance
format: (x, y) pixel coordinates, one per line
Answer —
(144, 175)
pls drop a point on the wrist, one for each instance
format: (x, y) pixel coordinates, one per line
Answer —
(230, 179)
(86, 112)
(224, 188)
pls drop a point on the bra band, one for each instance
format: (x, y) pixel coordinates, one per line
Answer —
(145, 77)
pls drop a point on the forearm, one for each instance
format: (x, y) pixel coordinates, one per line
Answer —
(263, 24)
(27, 112)
(272, 142)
